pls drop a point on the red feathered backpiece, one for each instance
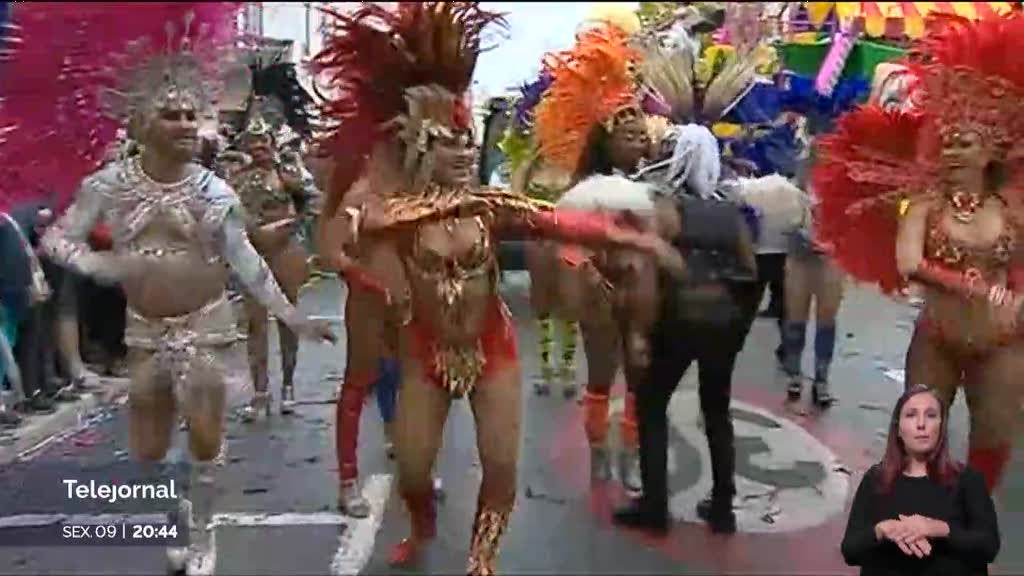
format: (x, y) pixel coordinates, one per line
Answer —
(968, 76)
(863, 170)
(56, 115)
(373, 55)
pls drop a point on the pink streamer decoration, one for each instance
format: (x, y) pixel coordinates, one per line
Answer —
(832, 68)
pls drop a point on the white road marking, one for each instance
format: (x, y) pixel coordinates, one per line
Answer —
(39, 520)
(286, 519)
(356, 544)
(895, 374)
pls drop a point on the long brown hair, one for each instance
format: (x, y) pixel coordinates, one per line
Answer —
(941, 466)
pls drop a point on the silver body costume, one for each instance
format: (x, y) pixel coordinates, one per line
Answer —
(206, 215)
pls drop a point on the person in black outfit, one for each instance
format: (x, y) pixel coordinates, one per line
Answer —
(918, 512)
(704, 319)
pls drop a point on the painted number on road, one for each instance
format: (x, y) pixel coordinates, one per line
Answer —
(787, 480)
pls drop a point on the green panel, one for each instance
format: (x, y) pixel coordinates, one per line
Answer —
(806, 59)
(867, 55)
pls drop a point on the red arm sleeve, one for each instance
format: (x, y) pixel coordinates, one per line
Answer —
(574, 226)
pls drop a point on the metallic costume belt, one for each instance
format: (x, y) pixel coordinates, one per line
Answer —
(177, 342)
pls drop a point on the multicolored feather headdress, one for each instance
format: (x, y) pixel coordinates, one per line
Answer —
(87, 69)
(399, 72)
(518, 143)
(593, 83)
(672, 80)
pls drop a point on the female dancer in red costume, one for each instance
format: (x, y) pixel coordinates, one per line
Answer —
(403, 74)
(958, 239)
(589, 124)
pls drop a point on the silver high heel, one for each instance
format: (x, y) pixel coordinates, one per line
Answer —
(820, 394)
(600, 464)
(260, 402)
(629, 470)
(796, 387)
(287, 399)
(351, 500)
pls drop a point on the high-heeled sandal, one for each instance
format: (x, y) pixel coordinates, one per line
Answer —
(260, 402)
(287, 399)
(351, 500)
(389, 442)
(795, 389)
(821, 395)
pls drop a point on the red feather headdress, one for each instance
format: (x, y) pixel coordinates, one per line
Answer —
(968, 76)
(375, 56)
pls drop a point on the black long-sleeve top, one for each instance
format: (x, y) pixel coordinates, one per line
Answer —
(966, 507)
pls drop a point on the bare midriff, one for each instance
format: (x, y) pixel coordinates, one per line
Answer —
(452, 277)
(165, 273)
(970, 324)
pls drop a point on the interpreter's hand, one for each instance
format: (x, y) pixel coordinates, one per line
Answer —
(926, 527)
(901, 534)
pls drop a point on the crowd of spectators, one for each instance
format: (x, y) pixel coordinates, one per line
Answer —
(59, 330)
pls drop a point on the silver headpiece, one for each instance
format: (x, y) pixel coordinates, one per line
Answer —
(182, 76)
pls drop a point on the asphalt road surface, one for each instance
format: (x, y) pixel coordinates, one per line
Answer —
(277, 486)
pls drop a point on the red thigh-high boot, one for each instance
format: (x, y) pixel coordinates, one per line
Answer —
(629, 464)
(349, 409)
(990, 461)
(423, 520)
(595, 423)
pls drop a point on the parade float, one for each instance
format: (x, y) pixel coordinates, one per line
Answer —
(833, 42)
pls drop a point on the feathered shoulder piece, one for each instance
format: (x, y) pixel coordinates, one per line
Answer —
(611, 193)
(592, 83)
(438, 203)
(864, 170)
(86, 69)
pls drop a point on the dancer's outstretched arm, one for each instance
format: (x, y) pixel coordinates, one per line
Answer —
(67, 241)
(255, 275)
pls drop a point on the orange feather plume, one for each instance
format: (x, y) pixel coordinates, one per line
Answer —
(592, 82)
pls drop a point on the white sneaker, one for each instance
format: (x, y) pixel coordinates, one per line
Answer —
(202, 557)
(352, 502)
(177, 558)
